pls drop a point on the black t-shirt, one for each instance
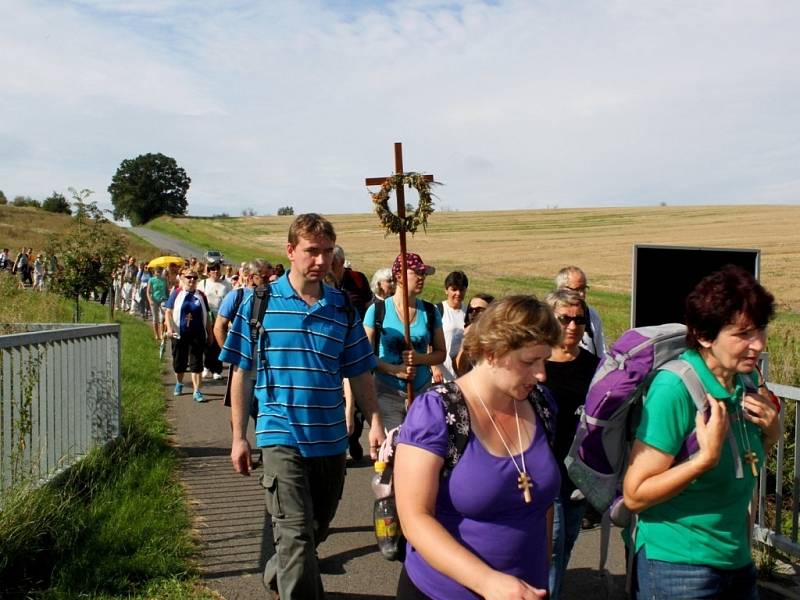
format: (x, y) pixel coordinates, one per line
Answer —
(569, 382)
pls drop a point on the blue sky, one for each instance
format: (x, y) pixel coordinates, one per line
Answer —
(510, 104)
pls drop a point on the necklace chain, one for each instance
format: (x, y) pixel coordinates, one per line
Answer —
(523, 470)
(750, 456)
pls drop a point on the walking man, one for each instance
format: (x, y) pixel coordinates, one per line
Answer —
(310, 340)
(215, 288)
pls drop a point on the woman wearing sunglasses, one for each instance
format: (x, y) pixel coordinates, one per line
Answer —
(478, 304)
(188, 325)
(569, 371)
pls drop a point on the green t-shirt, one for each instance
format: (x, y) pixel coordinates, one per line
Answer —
(158, 288)
(707, 523)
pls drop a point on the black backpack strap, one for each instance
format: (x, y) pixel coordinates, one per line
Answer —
(237, 301)
(257, 311)
(458, 424)
(380, 314)
(440, 308)
(542, 407)
(430, 310)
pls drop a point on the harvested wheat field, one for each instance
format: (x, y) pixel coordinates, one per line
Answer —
(495, 248)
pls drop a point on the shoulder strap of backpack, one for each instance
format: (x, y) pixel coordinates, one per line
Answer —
(237, 301)
(440, 308)
(430, 310)
(458, 425)
(257, 311)
(542, 407)
(380, 314)
(691, 380)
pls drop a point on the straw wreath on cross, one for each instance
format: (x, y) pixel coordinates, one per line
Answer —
(393, 222)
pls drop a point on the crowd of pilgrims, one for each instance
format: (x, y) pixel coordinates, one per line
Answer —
(474, 535)
(197, 324)
(32, 270)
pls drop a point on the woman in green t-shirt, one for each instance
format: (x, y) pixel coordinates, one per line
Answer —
(692, 539)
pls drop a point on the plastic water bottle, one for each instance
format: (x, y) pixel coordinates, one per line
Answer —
(387, 528)
(384, 516)
(381, 490)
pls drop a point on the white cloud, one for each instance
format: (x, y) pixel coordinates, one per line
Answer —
(510, 103)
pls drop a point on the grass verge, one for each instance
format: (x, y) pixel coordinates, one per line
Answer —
(116, 525)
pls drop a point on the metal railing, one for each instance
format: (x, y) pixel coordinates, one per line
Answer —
(59, 397)
(770, 527)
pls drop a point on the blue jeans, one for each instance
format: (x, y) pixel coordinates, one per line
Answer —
(567, 518)
(659, 580)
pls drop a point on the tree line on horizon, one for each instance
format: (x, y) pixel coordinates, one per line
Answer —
(142, 189)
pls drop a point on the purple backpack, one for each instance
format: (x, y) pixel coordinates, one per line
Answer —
(599, 454)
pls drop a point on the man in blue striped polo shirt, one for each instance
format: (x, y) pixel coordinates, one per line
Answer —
(312, 338)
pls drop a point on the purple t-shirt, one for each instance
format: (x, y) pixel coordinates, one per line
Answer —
(480, 506)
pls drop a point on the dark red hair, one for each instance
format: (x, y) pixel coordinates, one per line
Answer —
(720, 298)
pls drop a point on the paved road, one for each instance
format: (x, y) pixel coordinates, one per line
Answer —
(230, 519)
(168, 244)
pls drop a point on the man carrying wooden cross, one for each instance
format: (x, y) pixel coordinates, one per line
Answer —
(311, 339)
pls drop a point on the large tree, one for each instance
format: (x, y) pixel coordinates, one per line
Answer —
(147, 187)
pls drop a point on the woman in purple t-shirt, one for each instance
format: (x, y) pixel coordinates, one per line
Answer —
(485, 529)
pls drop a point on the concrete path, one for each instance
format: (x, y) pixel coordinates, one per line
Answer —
(168, 244)
(231, 524)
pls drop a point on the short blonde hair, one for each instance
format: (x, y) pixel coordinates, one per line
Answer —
(509, 324)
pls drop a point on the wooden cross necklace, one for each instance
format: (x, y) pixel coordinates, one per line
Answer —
(750, 457)
(524, 482)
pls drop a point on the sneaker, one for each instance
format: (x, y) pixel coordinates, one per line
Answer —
(217, 376)
(178, 389)
(206, 374)
(198, 396)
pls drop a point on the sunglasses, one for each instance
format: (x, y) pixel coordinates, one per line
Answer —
(566, 320)
(579, 290)
(476, 309)
(190, 276)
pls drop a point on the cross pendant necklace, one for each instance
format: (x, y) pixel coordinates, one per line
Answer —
(188, 319)
(525, 484)
(751, 458)
(524, 481)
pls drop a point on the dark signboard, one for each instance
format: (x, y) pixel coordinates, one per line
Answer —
(664, 275)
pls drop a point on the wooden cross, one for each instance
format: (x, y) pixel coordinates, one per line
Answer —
(401, 212)
(525, 484)
(751, 458)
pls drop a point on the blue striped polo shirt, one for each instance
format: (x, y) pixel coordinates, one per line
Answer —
(309, 349)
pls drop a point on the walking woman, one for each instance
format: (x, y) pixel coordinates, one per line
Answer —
(569, 369)
(692, 540)
(396, 365)
(484, 528)
(188, 323)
